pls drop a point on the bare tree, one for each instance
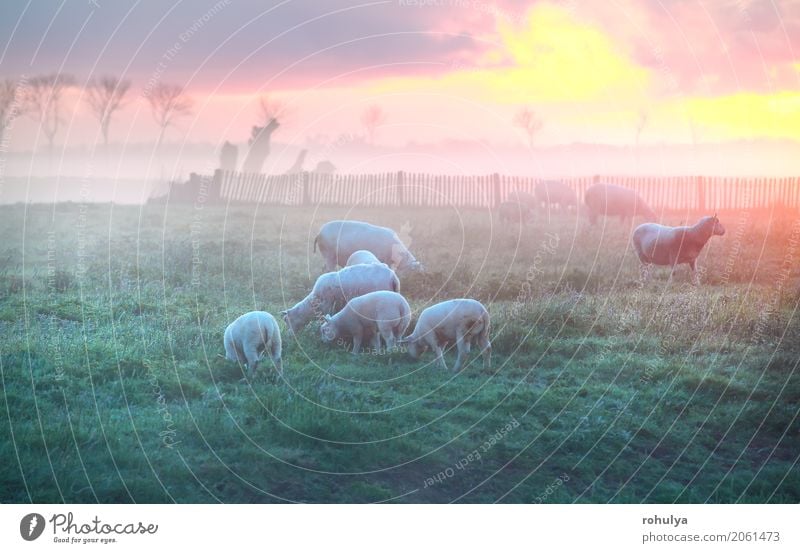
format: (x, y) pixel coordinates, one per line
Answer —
(167, 104)
(371, 119)
(641, 123)
(105, 96)
(261, 134)
(43, 101)
(11, 104)
(527, 120)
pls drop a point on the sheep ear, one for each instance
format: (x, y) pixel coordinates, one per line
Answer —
(327, 317)
(284, 312)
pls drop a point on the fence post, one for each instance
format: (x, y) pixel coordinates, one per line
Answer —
(399, 185)
(496, 186)
(701, 193)
(306, 191)
(215, 189)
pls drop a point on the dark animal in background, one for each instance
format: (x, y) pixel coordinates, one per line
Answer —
(662, 245)
(523, 198)
(514, 212)
(611, 200)
(551, 193)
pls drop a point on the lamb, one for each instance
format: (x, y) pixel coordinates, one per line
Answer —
(362, 256)
(554, 192)
(372, 316)
(338, 240)
(662, 245)
(459, 321)
(514, 213)
(333, 290)
(610, 199)
(250, 336)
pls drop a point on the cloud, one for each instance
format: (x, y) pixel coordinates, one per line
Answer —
(552, 57)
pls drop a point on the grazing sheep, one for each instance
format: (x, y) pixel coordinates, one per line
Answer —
(333, 290)
(554, 192)
(661, 245)
(250, 336)
(515, 213)
(460, 321)
(524, 198)
(610, 199)
(372, 316)
(338, 240)
(362, 256)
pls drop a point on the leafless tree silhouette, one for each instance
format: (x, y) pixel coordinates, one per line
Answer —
(527, 120)
(104, 97)
(11, 104)
(371, 119)
(167, 104)
(42, 98)
(261, 134)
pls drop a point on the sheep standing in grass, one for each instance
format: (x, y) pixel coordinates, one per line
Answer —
(661, 245)
(459, 321)
(337, 240)
(555, 192)
(369, 317)
(362, 256)
(333, 290)
(610, 199)
(515, 213)
(250, 336)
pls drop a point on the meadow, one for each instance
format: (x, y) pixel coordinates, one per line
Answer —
(603, 388)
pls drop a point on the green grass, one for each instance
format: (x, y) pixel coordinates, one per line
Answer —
(115, 389)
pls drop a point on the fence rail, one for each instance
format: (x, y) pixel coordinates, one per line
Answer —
(699, 193)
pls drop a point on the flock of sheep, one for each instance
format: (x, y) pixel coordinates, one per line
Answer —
(361, 303)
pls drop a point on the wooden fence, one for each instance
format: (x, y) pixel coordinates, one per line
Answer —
(415, 189)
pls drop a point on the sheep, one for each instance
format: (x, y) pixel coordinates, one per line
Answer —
(334, 289)
(459, 321)
(662, 245)
(251, 335)
(337, 240)
(554, 192)
(362, 256)
(524, 198)
(610, 199)
(372, 316)
(514, 213)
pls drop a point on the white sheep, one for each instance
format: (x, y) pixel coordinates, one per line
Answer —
(250, 336)
(332, 290)
(662, 245)
(459, 321)
(372, 316)
(362, 256)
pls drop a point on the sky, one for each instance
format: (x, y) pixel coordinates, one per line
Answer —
(441, 70)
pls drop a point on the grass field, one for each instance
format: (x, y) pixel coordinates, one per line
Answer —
(602, 389)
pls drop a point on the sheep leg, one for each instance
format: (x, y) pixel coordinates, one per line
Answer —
(463, 347)
(433, 343)
(486, 351)
(275, 355)
(695, 274)
(644, 272)
(376, 341)
(330, 261)
(252, 360)
(387, 333)
(357, 338)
